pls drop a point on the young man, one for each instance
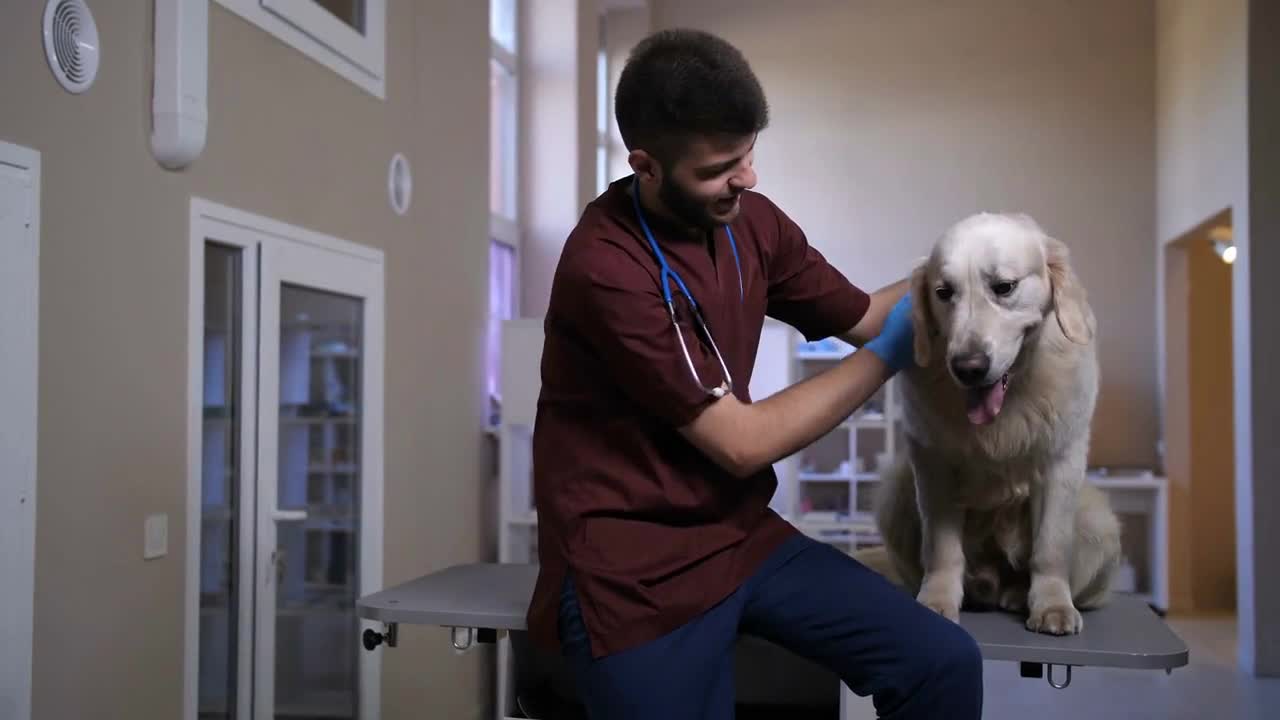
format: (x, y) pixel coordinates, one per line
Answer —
(651, 462)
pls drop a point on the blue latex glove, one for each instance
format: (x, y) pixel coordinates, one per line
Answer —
(895, 343)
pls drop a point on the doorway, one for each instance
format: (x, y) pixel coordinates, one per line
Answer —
(19, 348)
(1199, 437)
(285, 470)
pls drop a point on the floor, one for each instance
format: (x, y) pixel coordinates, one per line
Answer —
(1210, 686)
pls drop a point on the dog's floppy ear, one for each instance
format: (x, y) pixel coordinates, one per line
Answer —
(1069, 301)
(922, 325)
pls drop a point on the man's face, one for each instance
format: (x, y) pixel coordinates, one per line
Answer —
(702, 187)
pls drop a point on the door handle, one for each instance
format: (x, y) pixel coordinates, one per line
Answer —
(277, 555)
(277, 567)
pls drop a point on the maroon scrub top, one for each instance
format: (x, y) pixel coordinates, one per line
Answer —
(652, 531)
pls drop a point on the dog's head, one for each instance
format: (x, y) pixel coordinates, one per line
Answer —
(990, 283)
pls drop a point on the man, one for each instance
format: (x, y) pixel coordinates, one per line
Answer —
(651, 462)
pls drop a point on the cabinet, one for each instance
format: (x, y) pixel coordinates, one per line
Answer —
(835, 479)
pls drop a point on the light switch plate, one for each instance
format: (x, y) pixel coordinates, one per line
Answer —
(156, 543)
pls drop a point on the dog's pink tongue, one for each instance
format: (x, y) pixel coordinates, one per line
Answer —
(985, 403)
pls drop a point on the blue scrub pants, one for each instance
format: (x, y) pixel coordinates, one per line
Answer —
(811, 599)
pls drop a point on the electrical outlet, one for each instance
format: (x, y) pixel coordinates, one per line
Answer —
(156, 543)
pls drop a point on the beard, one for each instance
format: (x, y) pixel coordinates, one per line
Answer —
(686, 208)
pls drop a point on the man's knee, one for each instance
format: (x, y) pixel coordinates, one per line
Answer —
(959, 656)
(951, 669)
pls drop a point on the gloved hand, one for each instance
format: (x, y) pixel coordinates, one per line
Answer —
(894, 344)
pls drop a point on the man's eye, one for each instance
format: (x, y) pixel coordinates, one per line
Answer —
(1003, 287)
(944, 292)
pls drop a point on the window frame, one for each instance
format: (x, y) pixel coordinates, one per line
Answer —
(602, 109)
(504, 230)
(310, 29)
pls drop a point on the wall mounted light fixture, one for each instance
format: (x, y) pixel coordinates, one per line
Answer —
(1223, 244)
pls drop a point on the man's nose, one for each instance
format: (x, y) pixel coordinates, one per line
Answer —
(744, 179)
(970, 368)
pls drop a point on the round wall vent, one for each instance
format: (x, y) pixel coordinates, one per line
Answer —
(71, 43)
(400, 184)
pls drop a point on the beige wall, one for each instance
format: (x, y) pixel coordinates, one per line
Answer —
(892, 120)
(558, 135)
(288, 139)
(623, 29)
(1217, 100)
(1201, 161)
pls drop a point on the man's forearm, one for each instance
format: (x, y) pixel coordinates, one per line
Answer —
(882, 301)
(746, 438)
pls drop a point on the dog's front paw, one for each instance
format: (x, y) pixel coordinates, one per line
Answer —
(1052, 611)
(942, 597)
(1056, 620)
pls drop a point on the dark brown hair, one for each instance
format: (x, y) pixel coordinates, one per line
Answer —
(678, 84)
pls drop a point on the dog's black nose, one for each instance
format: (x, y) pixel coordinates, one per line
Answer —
(971, 368)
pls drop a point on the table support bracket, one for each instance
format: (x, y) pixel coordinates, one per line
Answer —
(1064, 683)
(373, 638)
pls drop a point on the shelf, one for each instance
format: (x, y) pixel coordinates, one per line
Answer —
(318, 420)
(1127, 481)
(857, 526)
(822, 355)
(869, 421)
(824, 477)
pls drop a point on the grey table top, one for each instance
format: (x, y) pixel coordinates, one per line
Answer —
(479, 595)
(1124, 634)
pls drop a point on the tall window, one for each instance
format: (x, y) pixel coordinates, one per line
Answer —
(602, 111)
(346, 36)
(504, 237)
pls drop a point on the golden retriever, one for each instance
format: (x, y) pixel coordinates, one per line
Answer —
(990, 506)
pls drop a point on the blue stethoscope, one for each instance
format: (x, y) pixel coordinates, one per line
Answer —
(666, 272)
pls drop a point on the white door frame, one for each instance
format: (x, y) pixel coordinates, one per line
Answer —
(19, 357)
(268, 239)
(314, 267)
(205, 227)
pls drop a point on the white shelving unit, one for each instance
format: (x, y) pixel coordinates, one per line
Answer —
(519, 384)
(1141, 499)
(835, 478)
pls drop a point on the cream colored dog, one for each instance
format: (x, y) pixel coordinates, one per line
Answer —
(991, 507)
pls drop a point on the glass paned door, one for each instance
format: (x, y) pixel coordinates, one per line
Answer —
(226, 499)
(318, 515)
(318, 503)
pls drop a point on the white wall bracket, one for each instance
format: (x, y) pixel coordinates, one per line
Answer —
(179, 101)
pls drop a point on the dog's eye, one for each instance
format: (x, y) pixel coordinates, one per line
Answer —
(944, 292)
(1003, 287)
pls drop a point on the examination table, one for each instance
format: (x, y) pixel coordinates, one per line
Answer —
(476, 602)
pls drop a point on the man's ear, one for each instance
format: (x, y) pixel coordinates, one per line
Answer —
(645, 166)
(923, 327)
(1070, 302)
